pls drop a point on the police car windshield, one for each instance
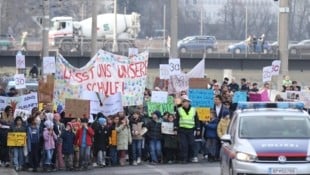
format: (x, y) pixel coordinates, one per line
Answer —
(280, 127)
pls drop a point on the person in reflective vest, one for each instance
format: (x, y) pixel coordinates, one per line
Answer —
(186, 124)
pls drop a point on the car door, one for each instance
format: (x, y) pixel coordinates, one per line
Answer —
(191, 45)
(227, 150)
(306, 47)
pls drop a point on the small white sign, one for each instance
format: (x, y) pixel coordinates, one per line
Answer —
(133, 52)
(175, 66)
(20, 81)
(20, 62)
(276, 67)
(159, 96)
(267, 73)
(49, 65)
(164, 73)
(167, 128)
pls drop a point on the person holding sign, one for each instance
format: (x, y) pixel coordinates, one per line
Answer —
(6, 121)
(186, 124)
(49, 137)
(18, 151)
(170, 142)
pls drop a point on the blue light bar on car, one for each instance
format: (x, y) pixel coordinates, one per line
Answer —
(261, 105)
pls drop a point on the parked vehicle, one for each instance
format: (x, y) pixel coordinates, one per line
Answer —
(300, 48)
(275, 46)
(7, 42)
(242, 47)
(197, 44)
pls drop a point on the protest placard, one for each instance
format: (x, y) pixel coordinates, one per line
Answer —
(26, 102)
(161, 107)
(76, 108)
(201, 97)
(24, 114)
(20, 81)
(240, 96)
(267, 73)
(199, 83)
(276, 64)
(164, 71)
(167, 128)
(178, 83)
(175, 66)
(16, 139)
(20, 61)
(49, 65)
(159, 96)
(204, 114)
(305, 98)
(46, 89)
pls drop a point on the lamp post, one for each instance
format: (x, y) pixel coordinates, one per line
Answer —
(115, 45)
(46, 19)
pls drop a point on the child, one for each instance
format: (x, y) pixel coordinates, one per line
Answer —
(137, 129)
(60, 127)
(170, 143)
(18, 151)
(83, 140)
(33, 143)
(211, 137)
(123, 139)
(154, 134)
(101, 141)
(49, 137)
(68, 137)
(113, 141)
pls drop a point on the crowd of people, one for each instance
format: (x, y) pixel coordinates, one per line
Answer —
(131, 137)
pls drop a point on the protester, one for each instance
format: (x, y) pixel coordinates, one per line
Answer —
(154, 135)
(68, 138)
(18, 151)
(171, 143)
(101, 141)
(113, 141)
(212, 137)
(49, 144)
(33, 143)
(123, 138)
(223, 124)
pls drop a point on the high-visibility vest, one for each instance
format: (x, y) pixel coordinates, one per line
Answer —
(187, 120)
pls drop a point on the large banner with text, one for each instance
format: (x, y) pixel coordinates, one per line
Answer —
(25, 102)
(106, 74)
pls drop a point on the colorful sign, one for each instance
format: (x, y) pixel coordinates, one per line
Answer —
(162, 107)
(201, 98)
(204, 114)
(240, 96)
(105, 73)
(16, 139)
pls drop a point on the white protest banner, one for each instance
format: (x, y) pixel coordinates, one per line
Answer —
(198, 71)
(164, 71)
(305, 98)
(96, 101)
(24, 114)
(175, 66)
(267, 73)
(178, 83)
(167, 128)
(133, 52)
(112, 104)
(49, 65)
(25, 102)
(20, 81)
(159, 97)
(20, 61)
(276, 67)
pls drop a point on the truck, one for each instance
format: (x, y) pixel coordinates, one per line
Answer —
(68, 35)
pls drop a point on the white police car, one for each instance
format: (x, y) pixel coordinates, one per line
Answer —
(267, 138)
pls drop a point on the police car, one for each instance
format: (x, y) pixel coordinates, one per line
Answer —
(267, 138)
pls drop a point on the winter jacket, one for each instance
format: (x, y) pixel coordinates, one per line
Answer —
(68, 142)
(222, 126)
(154, 130)
(113, 136)
(123, 137)
(211, 129)
(101, 138)
(49, 139)
(89, 135)
(136, 125)
(33, 136)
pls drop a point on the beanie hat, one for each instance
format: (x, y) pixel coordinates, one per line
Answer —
(49, 124)
(102, 121)
(157, 113)
(225, 113)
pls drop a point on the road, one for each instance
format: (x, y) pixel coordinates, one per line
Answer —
(202, 168)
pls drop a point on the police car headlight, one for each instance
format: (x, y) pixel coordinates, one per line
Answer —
(245, 157)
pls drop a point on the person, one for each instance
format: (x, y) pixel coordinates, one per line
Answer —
(33, 143)
(83, 140)
(254, 88)
(223, 124)
(59, 127)
(186, 124)
(219, 107)
(171, 143)
(23, 41)
(254, 43)
(244, 86)
(68, 138)
(34, 72)
(113, 141)
(18, 151)
(138, 128)
(233, 86)
(6, 121)
(123, 138)
(101, 141)
(154, 135)
(49, 144)
(211, 137)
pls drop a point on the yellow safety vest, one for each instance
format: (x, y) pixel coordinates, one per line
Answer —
(187, 120)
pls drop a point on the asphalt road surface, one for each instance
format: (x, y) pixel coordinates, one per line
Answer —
(202, 168)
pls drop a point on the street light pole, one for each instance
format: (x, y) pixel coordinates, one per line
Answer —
(115, 45)
(283, 39)
(201, 22)
(46, 19)
(94, 29)
(174, 28)
(164, 28)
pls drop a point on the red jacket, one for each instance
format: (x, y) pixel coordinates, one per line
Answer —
(89, 135)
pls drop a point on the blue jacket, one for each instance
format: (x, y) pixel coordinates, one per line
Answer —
(68, 138)
(211, 129)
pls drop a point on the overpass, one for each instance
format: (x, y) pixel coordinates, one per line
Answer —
(242, 65)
